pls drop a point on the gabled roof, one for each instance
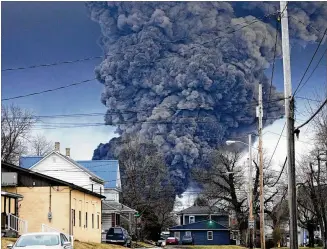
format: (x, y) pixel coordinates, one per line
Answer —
(106, 169)
(205, 210)
(201, 225)
(22, 170)
(28, 161)
(37, 160)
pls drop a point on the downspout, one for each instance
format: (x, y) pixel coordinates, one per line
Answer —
(50, 196)
(70, 213)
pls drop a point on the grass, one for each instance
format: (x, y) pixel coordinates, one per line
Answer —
(77, 244)
(142, 244)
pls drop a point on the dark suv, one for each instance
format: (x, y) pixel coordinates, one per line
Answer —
(118, 235)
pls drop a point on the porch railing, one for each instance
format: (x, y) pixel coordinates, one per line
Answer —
(16, 224)
(46, 228)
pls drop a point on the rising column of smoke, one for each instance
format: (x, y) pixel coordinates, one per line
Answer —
(177, 62)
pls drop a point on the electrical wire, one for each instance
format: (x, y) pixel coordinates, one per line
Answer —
(312, 58)
(49, 90)
(126, 111)
(322, 56)
(280, 174)
(99, 57)
(312, 116)
(277, 144)
(274, 60)
(315, 100)
(52, 64)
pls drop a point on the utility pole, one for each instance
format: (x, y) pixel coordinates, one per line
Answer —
(251, 221)
(289, 114)
(262, 208)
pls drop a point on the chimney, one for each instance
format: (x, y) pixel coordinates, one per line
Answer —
(57, 146)
(67, 152)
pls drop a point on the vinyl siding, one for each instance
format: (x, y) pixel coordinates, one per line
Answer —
(111, 195)
(223, 220)
(106, 222)
(57, 167)
(200, 237)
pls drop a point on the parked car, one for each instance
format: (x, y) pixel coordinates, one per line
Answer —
(51, 240)
(187, 240)
(172, 241)
(118, 235)
(161, 241)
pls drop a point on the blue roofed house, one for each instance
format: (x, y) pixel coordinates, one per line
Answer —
(100, 176)
(207, 225)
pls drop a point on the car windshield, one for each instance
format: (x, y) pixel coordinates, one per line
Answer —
(187, 237)
(38, 240)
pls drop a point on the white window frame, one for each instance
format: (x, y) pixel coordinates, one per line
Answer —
(208, 235)
(189, 219)
(177, 235)
(188, 233)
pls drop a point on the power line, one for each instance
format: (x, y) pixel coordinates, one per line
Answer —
(277, 144)
(52, 64)
(273, 65)
(315, 100)
(49, 90)
(281, 172)
(99, 57)
(313, 56)
(297, 130)
(322, 56)
(125, 111)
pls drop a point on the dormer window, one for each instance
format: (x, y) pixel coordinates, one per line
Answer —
(191, 219)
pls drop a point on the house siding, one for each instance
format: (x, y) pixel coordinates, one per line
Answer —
(111, 195)
(68, 172)
(221, 219)
(106, 221)
(200, 237)
(36, 204)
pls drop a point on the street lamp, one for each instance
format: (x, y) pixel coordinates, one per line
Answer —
(251, 221)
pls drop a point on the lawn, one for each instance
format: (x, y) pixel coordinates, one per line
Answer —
(77, 245)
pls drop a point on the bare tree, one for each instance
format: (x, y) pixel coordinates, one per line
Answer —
(40, 146)
(146, 186)
(16, 124)
(223, 180)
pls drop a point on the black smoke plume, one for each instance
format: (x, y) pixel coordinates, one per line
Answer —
(185, 75)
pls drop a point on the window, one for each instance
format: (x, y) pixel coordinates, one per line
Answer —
(98, 221)
(191, 219)
(188, 233)
(80, 218)
(92, 220)
(210, 235)
(73, 217)
(63, 239)
(85, 219)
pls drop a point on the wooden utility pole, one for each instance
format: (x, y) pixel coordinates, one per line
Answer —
(289, 114)
(251, 221)
(262, 208)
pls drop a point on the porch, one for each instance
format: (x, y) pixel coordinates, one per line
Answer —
(112, 215)
(11, 224)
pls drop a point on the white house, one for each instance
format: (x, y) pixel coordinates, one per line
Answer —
(100, 176)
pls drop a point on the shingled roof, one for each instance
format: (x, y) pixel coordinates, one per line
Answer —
(203, 210)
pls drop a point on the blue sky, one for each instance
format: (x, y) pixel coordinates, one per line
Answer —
(47, 32)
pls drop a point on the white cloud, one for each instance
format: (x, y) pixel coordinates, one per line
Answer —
(82, 141)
